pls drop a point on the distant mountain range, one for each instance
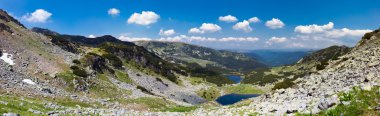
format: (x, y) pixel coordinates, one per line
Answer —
(277, 57)
(183, 53)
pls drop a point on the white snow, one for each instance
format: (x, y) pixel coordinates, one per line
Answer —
(28, 81)
(7, 58)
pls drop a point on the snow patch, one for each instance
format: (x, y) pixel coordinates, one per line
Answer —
(28, 81)
(7, 58)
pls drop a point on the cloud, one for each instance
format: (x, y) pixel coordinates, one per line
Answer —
(131, 39)
(276, 40)
(228, 18)
(254, 20)
(166, 32)
(313, 28)
(91, 36)
(241, 39)
(206, 28)
(190, 39)
(275, 23)
(328, 31)
(345, 32)
(244, 26)
(195, 30)
(113, 12)
(296, 45)
(38, 16)
(143, 18)
(321, 36)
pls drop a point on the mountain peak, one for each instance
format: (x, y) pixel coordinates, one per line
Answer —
(44, 31)
(7, 18)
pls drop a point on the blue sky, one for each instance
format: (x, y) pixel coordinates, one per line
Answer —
(283, 24)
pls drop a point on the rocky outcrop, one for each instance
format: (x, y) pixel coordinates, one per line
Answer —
(5, 17)
(326, 54)
(318, 91)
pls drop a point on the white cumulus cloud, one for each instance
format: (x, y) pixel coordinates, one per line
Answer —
(345, 32)
(228, 18)
(276, 40)
(143, 18)
(254, 20)
(91, 36)
(244, 26)
(38, 16)
(206, 28)
(126, 38)
(113, 12)
(239, 39)
(275, 23)
(166, 32)
(328, 31)
(190, 39)
(314, 28)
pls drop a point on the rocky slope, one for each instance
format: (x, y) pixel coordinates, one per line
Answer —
(284, 76)
(321, 90)
(44, 72)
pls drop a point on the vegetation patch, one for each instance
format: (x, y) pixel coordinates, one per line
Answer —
(15, 104)
(114, 60)
(287, 83)
(79, 71)
(242, 89)
(180, 109)
(143, 89)
(123, 77)
(209, 94)
(359, 103)
(155, 104)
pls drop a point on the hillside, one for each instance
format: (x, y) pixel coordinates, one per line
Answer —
(278, 57)
(59, 73)
(346, 85)
(283, 76)
(185, 54)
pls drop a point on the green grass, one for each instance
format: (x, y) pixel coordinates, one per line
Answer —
(21, 105)
(180, 109)
(104, 88)
(362, 103)
(196, 80)
(242, 89)
(123, 77)
(155, 104)
(209, 94)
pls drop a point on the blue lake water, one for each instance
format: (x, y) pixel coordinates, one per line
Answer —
(229, 99)
(235, 78)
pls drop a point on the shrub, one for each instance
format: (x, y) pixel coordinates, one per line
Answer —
(325, 63)
(76, 61)
(114, 60)
(74, 67)
(79, 71)
(320, 67)
(287, 83)
(335, 58)
(144, 90)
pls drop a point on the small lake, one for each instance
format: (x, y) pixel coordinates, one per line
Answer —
(235, 78)
(229, 99)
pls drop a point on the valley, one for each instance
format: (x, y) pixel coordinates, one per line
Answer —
(43, 72)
